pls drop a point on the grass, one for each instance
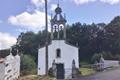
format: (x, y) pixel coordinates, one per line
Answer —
(86, 71)
(35, 77)
(44, 78)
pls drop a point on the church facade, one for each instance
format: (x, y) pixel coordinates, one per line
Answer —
(61, 55)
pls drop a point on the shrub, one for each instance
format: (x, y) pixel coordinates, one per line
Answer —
(28, 65)
(51, 73)
(96, 57)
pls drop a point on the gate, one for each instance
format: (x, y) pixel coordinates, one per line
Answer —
(60, 71)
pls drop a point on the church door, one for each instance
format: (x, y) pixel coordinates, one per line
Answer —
(60, 71)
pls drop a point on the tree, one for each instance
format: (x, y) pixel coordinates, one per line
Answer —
(26, 45)
(113, 36)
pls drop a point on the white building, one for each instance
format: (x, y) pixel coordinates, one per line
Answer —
(108, 63)
(9, 66)
(60, 53)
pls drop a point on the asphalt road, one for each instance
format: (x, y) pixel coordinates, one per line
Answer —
(105, 75)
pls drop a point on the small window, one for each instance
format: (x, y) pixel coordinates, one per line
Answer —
(58, 53)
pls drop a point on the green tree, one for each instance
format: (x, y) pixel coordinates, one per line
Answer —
(28, 43)
(113, 36)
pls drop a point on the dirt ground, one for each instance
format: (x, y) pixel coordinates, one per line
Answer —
(29, 77)
(35, 77)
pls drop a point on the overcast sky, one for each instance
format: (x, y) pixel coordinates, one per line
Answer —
(23, 15)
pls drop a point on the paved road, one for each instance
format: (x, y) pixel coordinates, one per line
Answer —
(106, 75)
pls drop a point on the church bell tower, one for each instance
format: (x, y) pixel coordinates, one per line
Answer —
(58, 29)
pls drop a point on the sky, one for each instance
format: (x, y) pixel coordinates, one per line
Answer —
(18, 16)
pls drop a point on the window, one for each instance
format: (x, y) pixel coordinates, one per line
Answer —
(58, 53)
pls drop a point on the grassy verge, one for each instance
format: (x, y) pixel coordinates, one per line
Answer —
(86, 71)
(35, 77)
(44, 78)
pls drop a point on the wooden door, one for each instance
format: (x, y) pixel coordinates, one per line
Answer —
(60, 71)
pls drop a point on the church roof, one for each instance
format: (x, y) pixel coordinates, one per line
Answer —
(58, 10)
(71, 44)
(59, 40)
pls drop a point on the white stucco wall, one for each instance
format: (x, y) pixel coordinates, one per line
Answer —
(68, 53)
(41, 61)
(11, 67)
(110, 63)
(17, 66)
(8, 69)
(2, 71)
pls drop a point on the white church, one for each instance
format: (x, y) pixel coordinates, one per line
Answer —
(61, 55)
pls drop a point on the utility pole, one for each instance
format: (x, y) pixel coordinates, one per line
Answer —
(46, 49)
